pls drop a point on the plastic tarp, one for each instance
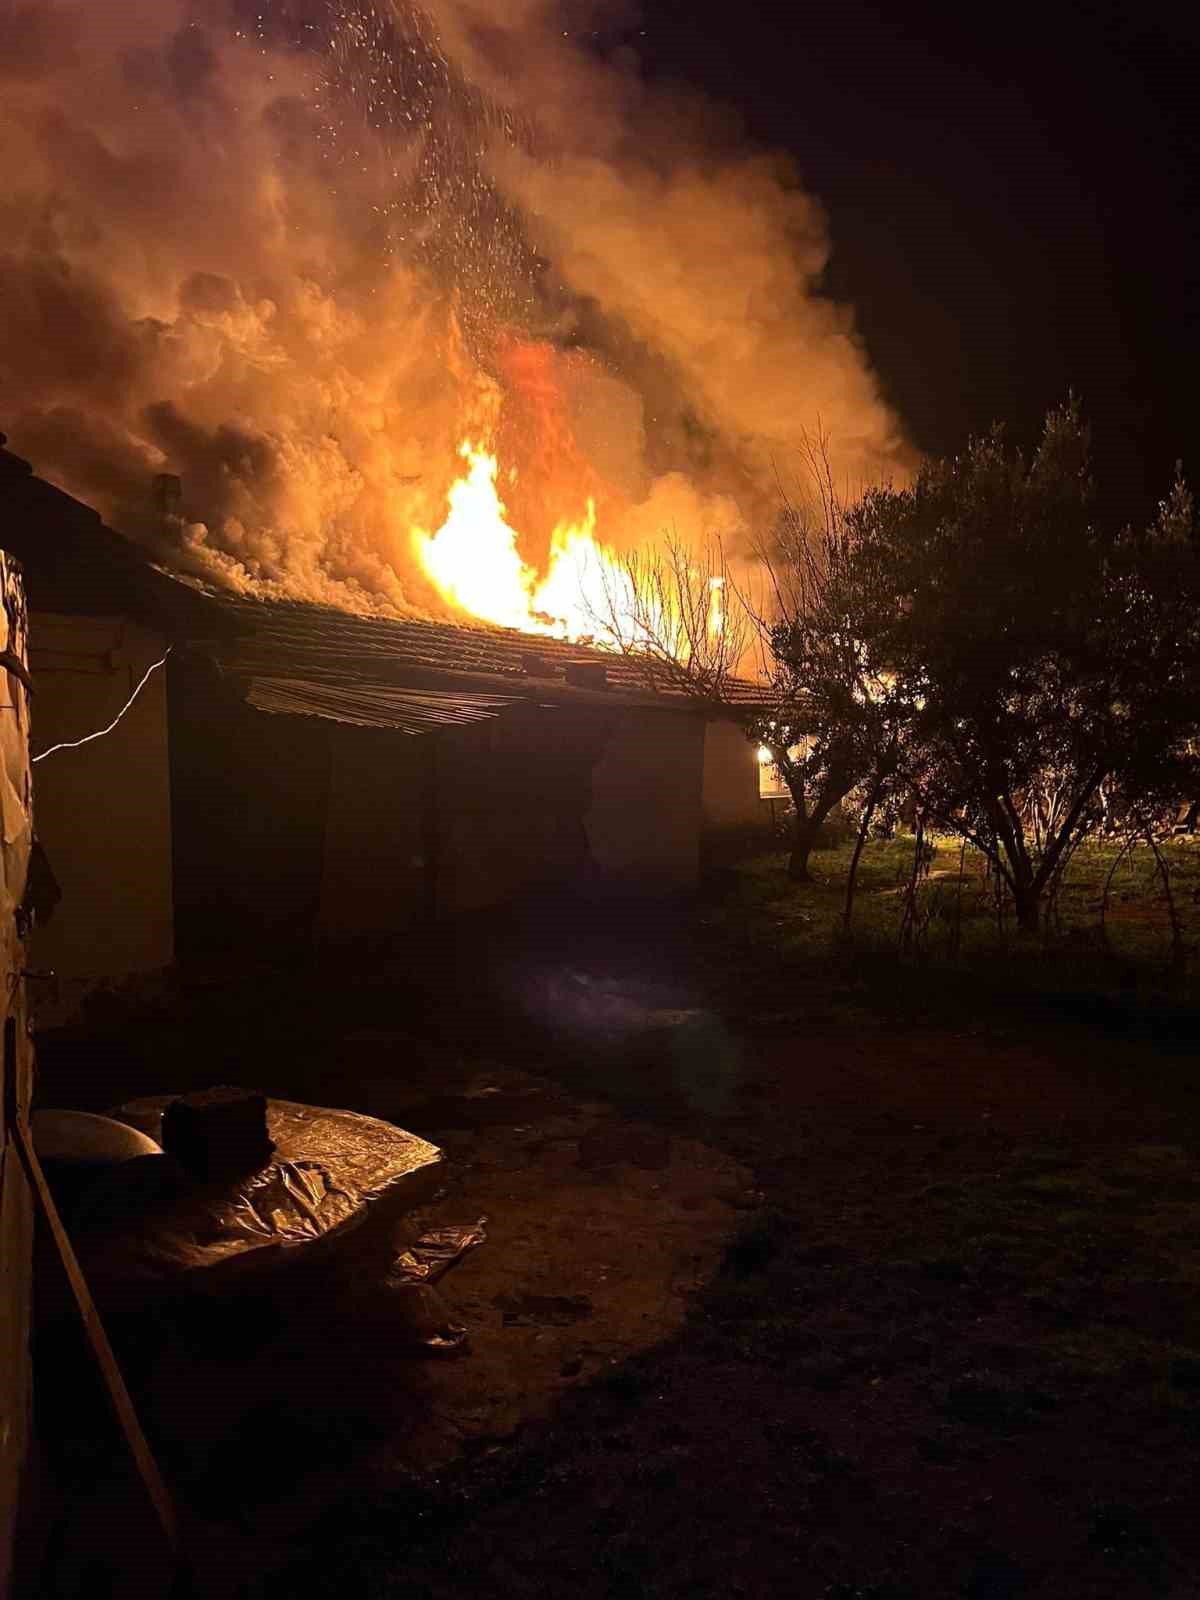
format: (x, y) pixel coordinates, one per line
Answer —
(413, 1313)
(330, 1172)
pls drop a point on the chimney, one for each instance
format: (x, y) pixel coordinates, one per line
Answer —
(166, 492)
(535, 666)
(587, 674)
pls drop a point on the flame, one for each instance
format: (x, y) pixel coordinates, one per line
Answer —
(473, 557)
(473, 560)
(588, 590)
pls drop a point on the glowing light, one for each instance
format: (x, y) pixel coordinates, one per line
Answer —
(765, 758)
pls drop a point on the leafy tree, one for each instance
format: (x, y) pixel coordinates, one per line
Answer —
(835, 715)
(1050, 663)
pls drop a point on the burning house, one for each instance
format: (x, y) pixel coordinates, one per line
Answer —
(437, 311)
(406, 367)
(218, 774)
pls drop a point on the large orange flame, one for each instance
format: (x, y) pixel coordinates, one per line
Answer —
(473, 557)
(588, 592)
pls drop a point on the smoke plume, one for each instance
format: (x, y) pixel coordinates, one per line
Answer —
(295, 251)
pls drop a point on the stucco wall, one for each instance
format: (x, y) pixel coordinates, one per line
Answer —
(643, 824)
(731, 797)
(104, 813)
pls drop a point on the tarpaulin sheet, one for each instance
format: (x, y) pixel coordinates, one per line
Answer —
(329, 1171)
(404, 1305)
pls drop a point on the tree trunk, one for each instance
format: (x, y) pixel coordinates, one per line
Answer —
(908, 921)
(804, 833)
(1026, 904)
(852, 876)
(808, 819)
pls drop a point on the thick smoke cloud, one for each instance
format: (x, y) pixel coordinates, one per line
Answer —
(293, 252)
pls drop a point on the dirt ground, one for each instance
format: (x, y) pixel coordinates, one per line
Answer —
(790, 1302)
(600, 1230)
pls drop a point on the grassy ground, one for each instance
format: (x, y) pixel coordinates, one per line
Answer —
(956, 910)
(954, 1352)
(1092, 956)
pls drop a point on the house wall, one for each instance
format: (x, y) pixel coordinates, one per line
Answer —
(453, 821)
(249, 802)
(104, 808)
(466, 818)
(512, 794)
(731, 777)
(643, 823)
(373, 878)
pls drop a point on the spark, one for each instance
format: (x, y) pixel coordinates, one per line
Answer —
(73, 744)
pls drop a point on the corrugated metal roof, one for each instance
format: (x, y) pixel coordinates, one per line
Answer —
(410, 711)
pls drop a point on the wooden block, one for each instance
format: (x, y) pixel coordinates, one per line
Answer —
(219, 1131)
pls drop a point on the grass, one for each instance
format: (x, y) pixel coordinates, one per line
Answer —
(957, 946)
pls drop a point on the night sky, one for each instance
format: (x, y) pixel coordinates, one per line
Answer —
(1013, 195)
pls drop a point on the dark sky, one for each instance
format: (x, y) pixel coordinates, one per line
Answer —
(1014, 200)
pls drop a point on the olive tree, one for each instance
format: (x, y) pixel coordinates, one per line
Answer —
(1050, 662)
(835, 719)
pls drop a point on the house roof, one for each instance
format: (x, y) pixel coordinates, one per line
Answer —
(73, 563)
(299, 659)
(365, 658)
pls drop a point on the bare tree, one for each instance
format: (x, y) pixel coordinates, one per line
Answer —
(800, 618)
(678, 615)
